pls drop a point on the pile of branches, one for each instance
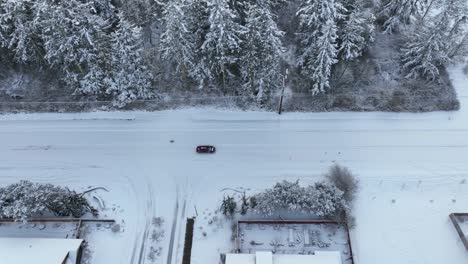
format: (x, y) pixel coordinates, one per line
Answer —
(26, 199)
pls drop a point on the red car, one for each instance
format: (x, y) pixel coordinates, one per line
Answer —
(206, 149)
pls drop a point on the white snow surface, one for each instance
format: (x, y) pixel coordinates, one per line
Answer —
(38, 250)
(411, 167)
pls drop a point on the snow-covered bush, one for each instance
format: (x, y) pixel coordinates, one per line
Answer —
(245, 204)
(343, 179)
(284, 195)
(321, 199)
(228, 206)
(26, 199)
(324, 200)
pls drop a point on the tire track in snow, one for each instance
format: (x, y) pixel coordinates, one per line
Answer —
(149, 216)
(173, 229)
(138, 250)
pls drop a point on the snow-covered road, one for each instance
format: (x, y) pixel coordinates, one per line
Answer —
(417, 160)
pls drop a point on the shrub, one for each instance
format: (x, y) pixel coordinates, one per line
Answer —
(229, 205)
(284, 195)
(321, 199)
(397, 101)
(344, 180)
(244, 204)
(325, 200)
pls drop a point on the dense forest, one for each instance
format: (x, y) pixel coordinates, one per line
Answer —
(329, 54)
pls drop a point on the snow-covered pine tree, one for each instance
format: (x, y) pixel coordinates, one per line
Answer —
(424, 53)
(222, 46)
(399, 13)
(319, 50)
(198, 24)
(102, 8)
(355, 34)
(436, 42)
(241, 7)
(74, 42)
(94, 81)
(325, 58)
(452, 22)
(139, 12)
(129, 79)
(260, 66)
(460, 49)
(177, 40)
(18, 31)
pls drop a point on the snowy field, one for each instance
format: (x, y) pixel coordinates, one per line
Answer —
(413, 171)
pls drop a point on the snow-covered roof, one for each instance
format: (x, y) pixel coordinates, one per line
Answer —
(320, 257)
(38, 250)
(265, 257)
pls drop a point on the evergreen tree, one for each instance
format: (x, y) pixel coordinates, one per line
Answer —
(319, 51)
(139, 12)
(325, 58)
(452, 22)
(355, 34)
(241, 7)
(18, 31)
(423, 54)
(130, 79)
(222, 46)
(74, 42)
(399, 13)
(198, 25)
(437, 42)
(102, 8)
(260, 67)
(177, 41)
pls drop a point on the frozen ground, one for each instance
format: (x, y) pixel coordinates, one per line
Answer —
(412, 169)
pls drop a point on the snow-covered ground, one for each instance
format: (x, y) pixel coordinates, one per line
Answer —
(412, 169)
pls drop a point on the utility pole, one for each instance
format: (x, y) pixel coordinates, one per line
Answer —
(285, 77)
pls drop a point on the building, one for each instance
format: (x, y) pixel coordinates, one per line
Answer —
(40, 251)
(320, 257)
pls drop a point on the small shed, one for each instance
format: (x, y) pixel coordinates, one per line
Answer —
(40, 250)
